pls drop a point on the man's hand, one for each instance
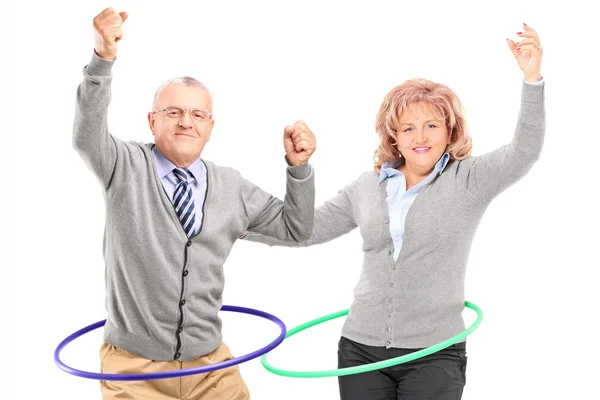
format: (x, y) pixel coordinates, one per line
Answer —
(299, 143)
(108, 30)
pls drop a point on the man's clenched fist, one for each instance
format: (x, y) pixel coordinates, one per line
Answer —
(108, 30)
(299, 143)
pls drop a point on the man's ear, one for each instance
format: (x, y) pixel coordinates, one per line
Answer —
(212, 125)
(151, 122)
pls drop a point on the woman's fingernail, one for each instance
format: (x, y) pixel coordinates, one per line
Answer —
(518, 33)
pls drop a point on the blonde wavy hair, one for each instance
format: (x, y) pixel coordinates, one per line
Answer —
(442, 100)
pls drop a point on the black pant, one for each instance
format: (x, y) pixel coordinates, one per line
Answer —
(438, 376)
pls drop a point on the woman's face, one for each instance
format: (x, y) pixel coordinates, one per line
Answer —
(422, 137)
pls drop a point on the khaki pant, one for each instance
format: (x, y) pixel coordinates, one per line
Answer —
(225, 384)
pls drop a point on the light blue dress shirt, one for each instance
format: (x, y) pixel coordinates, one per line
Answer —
(399, 199)
(196, 178)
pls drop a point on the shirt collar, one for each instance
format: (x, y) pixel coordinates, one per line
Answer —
(164, 166)
(443, 162)
(388, 168)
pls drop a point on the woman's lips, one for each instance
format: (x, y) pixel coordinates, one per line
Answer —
(421, 150)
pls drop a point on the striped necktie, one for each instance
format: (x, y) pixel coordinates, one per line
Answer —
(183, 201)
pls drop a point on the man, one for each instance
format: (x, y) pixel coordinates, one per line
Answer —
(171, 220)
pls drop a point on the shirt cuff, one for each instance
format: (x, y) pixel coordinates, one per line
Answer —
(537, 83)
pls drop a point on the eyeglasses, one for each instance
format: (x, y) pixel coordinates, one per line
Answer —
(176, 112)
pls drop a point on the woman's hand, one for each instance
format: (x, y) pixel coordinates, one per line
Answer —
(528, 53)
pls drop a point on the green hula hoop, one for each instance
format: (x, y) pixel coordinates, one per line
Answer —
(372, 366)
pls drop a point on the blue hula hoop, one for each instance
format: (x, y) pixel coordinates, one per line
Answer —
(177, 373)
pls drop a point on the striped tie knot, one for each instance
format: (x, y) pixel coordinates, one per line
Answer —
(183, 201)
(181, 174)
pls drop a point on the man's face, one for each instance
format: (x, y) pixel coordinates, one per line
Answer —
(181, 136)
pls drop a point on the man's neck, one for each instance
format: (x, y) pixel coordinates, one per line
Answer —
(179, 161)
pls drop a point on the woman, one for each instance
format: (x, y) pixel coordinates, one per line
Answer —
(417, 214)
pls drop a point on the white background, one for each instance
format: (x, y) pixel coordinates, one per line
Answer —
(533, 264)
